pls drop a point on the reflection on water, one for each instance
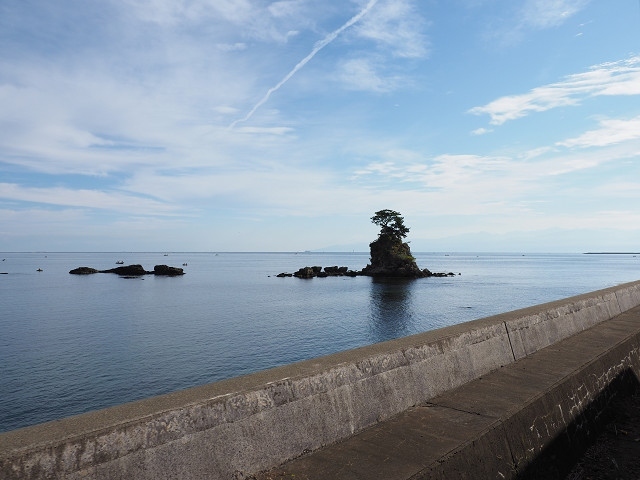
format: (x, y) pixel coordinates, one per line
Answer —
(391, 305)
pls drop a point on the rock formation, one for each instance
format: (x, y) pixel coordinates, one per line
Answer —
(391, 257)
(131, 271)
(167, 270)
(320, 272)
(83, 271)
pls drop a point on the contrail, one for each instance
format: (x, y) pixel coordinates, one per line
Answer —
(318, 46)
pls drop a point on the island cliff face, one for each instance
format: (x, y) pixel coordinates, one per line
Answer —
(391, 257)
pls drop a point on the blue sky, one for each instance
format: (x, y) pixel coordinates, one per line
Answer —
(249, 125)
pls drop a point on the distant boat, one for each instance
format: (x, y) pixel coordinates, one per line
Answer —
(120, 262)
(39, 270)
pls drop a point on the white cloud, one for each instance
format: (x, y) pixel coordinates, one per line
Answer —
(236, 18)
(530, 15)
(170, 12)
(265, 130)
(395, 25)
(362, 74)
(611, 131)
(83, 198)
(550, 13)
(226, 110)
(615, 78)
(286, 8)
(232, 47)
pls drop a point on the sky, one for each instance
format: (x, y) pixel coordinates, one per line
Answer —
(256, 125)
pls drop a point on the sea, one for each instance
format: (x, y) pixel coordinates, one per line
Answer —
(70, 344)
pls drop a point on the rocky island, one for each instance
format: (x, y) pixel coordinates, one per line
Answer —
(390, 255)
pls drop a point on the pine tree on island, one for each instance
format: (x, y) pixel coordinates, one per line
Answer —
(390, 254)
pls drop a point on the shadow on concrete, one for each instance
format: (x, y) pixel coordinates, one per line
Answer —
(558, 459)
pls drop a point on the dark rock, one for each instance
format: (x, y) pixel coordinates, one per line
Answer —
(83, 271)
(167, 270)
(311, 272)
(130, 270)
(336, 271)
(442, 274)
(305, 272)
(390, 257)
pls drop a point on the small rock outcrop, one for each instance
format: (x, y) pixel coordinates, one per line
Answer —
(129, 270)
(167, 270)
(320, 272)
(83, 271)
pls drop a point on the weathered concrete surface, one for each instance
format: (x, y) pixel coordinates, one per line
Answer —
(530, 419)
(237, 427)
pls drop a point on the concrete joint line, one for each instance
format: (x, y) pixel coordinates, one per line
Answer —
(513, 353)
(429, 404)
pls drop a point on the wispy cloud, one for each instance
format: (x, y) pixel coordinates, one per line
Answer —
(318, 46)
(481, 131)
(550, 13)
(362, 74)
(531, 15)
(611, 131)
(615, 78)
(395, 26)
(83, 198)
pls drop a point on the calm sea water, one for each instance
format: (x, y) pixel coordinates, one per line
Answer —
(70, 344)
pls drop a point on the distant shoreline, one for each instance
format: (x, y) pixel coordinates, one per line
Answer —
(612, 253)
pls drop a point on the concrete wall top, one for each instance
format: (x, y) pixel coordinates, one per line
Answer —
(228, 429)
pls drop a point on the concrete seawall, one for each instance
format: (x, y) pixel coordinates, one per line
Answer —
(238, 427)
